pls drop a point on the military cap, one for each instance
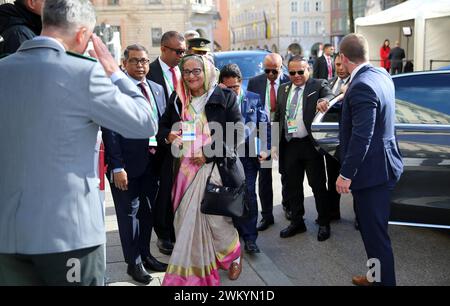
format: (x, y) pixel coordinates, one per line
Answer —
(199, 44)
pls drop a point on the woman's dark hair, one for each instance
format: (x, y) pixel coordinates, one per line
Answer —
(230, 71)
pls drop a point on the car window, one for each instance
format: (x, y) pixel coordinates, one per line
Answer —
(251, 65)
(423, 98)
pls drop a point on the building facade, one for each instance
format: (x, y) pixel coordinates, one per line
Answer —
(339, 14)
(274, 25)
(126, 22)
(222, 35)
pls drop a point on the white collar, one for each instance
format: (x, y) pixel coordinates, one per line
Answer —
(42, 37)
(357, 69)
(136, 82)
(164, 66)
(277, 81)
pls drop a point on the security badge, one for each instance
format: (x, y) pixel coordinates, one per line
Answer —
(188, 128)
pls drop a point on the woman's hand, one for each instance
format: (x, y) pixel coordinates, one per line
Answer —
(175, 138)
(199, 159)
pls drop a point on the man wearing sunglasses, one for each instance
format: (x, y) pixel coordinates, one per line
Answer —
(165, 72)
(266, 86)
(297, 154)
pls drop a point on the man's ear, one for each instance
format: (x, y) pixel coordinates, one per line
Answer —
(80, 35)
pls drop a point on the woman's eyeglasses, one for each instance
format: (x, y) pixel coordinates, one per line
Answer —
(300, 72)
(196, 72)
(268, 71)
(179, 52)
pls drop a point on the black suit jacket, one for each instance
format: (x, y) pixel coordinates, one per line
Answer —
(131, 154)
(156, 75)
(321, 68)
(258, 85)
(314, 90)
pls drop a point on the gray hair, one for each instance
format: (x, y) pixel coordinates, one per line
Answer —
(135, 47)
(68, 15)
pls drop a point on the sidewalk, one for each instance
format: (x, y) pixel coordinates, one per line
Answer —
(421, 254)
(257, 270)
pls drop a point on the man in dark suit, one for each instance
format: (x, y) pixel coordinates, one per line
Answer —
(297, 154)
(133, 174)
(337, 85)
(396, 57)
(165, 72)
(324, 66)
(255, 117)
(266, 86)
(370, 158)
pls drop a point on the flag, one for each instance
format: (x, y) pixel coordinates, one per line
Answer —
(267, 26)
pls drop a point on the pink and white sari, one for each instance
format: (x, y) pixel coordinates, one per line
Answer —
(204, 243)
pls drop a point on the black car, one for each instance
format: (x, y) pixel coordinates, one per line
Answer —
(422, 197)
(250, 62)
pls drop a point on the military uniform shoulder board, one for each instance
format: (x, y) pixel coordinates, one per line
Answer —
(81, 56)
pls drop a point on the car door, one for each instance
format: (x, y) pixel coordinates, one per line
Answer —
(422, 196)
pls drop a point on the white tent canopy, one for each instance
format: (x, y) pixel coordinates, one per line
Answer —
(430, 24)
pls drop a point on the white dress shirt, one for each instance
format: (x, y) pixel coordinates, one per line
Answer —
(167, 75)
(301, 131)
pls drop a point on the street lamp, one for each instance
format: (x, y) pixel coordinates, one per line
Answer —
(407, 32)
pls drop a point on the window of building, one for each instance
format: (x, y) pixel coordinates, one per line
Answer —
(306, 27)
(113, 2)
(306, 6)
(294, 27)
(318, 27)
(156, 37)
(318, 6)
(294, 6)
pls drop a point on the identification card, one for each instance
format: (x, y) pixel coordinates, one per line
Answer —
(188, 131)
(152, 142)
(292, 126)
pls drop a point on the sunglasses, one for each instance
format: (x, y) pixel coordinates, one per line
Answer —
(268, 71)
(300, 72)
(177, 51)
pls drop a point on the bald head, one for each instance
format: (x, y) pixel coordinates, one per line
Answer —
(272, 66)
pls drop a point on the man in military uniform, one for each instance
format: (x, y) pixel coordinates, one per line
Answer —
(198, 46)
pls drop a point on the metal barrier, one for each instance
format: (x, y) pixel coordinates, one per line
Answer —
(437, 61)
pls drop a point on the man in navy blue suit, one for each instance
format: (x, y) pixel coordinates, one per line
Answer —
(266, 86)
(371, 163)
(255, 117)
(133, 175)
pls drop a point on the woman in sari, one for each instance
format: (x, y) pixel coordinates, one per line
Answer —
(204, 243)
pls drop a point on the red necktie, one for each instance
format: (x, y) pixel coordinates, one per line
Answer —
(144, 91)
(273, 97)
(330, 68)
(174, 78)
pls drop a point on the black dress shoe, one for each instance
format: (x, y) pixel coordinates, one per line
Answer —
(324, 232)
(251, 247)
(151, 263)
(139, 274)
(264, 224)
(292, 230)
(165, 246)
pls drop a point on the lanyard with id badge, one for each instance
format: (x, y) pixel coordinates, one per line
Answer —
(292, 120)
(152, 141)
(188, 127)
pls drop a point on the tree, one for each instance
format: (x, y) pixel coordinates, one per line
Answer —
(350, 16)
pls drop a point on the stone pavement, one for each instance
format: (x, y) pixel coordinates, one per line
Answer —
(421, 254)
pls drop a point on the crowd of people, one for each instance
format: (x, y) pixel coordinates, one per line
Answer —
(165, 127)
